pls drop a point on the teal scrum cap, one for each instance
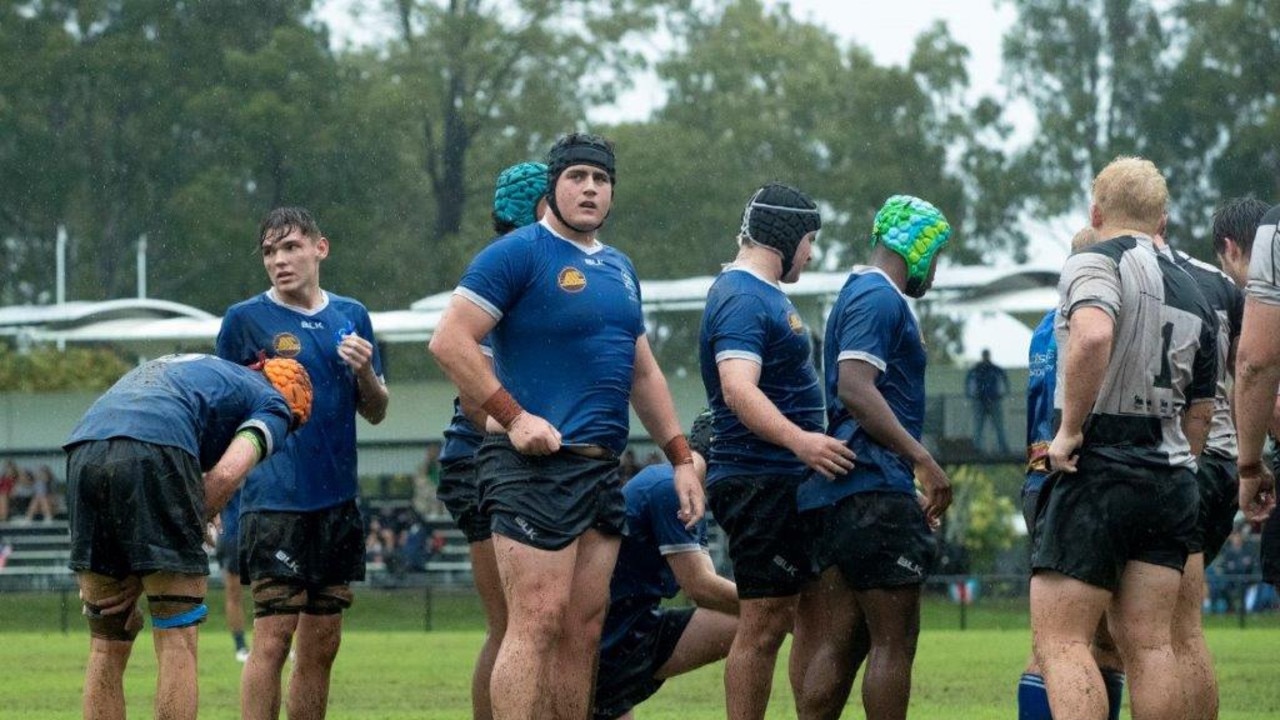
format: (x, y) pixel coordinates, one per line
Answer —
(518, 191)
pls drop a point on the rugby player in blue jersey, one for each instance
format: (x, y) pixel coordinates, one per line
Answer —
(301, 533)
(870, 532)
(519, 198)
(757, 367)
(563, 314)
(150, 463)
(645, 643)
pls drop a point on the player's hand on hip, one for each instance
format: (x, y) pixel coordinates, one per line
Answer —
(936, 486)
(825, 454)
(1257, 492)
(692, 496)
(1063, 451)
(532, 435)
(355, 351)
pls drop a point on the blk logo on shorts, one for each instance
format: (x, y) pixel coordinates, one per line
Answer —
(787, 567)
(289, 562)
(913, 567)
(528, 529)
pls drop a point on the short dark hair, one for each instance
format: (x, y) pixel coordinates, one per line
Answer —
(1237, 218)
(282, 220)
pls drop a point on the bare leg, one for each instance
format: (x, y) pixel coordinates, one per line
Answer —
(1064, 616)
(830, 627)
(260, 682)
(578, 649)
(177, 693)
(318, 639)
(536, 584)
(748, 674)
(104, 674)
(484, 568)
(1142, 622)
(705, 639)
(893, 621)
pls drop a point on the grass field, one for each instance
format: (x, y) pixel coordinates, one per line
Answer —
(390, 668)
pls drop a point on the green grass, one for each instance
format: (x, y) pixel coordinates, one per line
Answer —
(390, 668)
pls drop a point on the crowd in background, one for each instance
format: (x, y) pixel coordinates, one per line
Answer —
(26, 493)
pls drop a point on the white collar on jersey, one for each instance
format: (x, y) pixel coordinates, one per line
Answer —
(274, 297)
(743, 268)
(863, 269)
(596, 245)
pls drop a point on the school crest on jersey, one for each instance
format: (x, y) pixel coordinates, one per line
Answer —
(797, 325)
(286, 344)
(571, 280)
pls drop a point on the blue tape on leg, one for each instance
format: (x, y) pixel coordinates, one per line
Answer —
(191, 617)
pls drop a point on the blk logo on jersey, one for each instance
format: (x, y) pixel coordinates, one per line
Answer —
(797, 325)
(572, 280)
(287, 345)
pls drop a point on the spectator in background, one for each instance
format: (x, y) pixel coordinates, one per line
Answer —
(8, 480)
(41, 495)
(985, 386)
(1236, 559)
(23, 492)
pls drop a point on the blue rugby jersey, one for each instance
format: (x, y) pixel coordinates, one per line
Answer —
(230, 516)
(568, 319)
(653, 532)
(316, 469)
(748, 317)
(1042, 378)
(196, 403)
(871, 322)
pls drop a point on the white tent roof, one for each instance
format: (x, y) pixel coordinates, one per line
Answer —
(989, 298)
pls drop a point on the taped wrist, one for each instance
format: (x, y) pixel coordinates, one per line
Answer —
(1251, 468)
(502, 407)
(677, 450)
(254, 436)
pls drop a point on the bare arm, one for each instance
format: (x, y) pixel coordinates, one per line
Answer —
(1092, 332)
(739, 380)
(858, 393)
(456, 348)
(371, 392)
(697, 577)
(1195, 424)
(224, 478)
(1257, 377)
(651, 399)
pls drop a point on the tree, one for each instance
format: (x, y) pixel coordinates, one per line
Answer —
(513, 74)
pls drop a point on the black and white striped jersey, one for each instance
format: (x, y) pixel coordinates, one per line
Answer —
(1163, 354)
(1264, 262)
(1227, 303)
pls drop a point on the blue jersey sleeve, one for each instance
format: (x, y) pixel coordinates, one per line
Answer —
(669, 532)
(233, 341)
(868, 328)
(498, 275)
(740, 329)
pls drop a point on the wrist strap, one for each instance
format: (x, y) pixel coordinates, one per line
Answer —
(502, 407)
(254, 437)
(1252, 468)
(677, 450)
